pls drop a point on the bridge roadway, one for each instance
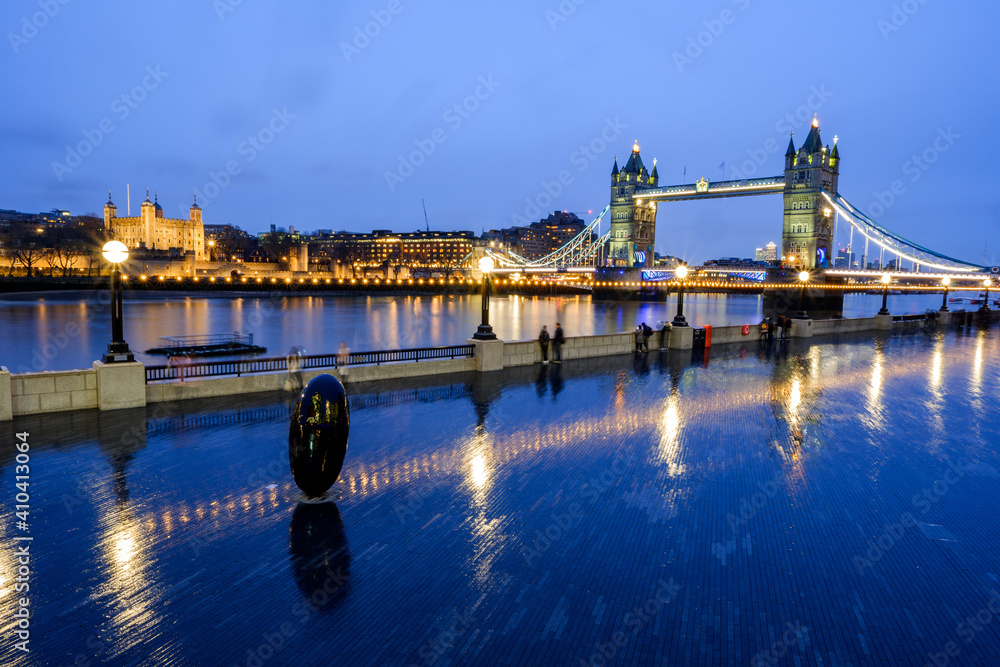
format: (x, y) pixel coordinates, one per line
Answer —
(705, 189)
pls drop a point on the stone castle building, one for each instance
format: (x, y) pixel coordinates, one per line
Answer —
(807, 234)
(151, 231)
(633, 222)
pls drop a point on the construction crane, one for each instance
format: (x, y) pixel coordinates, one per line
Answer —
(428, 222)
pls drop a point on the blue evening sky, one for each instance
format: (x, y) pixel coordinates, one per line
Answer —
(481, 107)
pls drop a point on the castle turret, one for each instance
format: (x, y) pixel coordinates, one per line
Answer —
(807, 235)
(110, 213)
(633, 221)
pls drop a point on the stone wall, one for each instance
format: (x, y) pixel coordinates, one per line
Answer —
(527, 352)
(53, 391)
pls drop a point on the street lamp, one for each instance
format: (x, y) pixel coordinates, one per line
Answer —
(485, 331)
(944, 300)
(986, 301)
(803, 278)
(116, 252)
(681, 272)
(886, 279)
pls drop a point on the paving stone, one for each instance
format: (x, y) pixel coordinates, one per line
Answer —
(818, 502)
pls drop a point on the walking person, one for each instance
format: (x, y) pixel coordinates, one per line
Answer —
(543, 342)
(557, 342)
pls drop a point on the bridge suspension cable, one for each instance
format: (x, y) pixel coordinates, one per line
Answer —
(897, 245)
(581, 249)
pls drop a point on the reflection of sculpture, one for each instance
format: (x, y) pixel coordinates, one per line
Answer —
(317, 436)
(319, 554)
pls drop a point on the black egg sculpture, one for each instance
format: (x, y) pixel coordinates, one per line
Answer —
(317, 437)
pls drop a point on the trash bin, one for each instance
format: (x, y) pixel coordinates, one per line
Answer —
(699, 337)
(708, 335)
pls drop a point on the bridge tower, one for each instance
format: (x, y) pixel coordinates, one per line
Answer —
(633, 222)
(807, 234)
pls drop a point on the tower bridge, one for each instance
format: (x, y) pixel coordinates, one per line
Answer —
(812, 210)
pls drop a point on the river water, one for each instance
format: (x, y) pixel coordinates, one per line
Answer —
(58, 331)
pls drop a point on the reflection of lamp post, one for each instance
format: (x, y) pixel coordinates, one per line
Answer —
(485, 331)
(116, 252)
(681, 273)
(803, 278)
(986, 301)
(886, 279)
(944, 300)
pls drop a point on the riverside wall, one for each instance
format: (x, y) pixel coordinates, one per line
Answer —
(102, 386)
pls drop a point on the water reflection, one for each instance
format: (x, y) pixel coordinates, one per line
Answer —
(320, 555)
(71, 330)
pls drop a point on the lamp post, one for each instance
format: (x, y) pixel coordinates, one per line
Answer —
(944, 299)
(485, 331)
(886, 279)
(803, 278)
(116, 252)
(986, 301)
(681, 272)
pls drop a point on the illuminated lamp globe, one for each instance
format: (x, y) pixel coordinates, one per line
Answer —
(803, 276)
(987, 283)
(115, 252)
(946, 281)
(486, 264)
(886, 279)
(681, 272)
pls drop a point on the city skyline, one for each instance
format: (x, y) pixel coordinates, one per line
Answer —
(349, 117)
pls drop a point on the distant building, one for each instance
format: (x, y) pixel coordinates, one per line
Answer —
(151, 231)
(768, 253)
(540, 238)
(383, 249)
(734, 263)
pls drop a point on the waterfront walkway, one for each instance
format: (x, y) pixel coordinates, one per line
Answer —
(816, 502)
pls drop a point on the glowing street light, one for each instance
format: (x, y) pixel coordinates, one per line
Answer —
(116, 252)
(986, 301)
(944, 300)
(681, 272)
(803, 278)
(485, 331)
(886, 279)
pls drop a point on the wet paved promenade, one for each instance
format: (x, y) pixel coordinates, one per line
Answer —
(818, 503)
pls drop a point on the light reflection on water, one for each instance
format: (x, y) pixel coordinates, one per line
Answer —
(65, 331)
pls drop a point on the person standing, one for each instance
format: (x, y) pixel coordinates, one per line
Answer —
(543, 342)
(638, 338)
(646, 333)
(557, 343)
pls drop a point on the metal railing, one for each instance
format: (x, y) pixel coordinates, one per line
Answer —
(205, 339)
(240, 367)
